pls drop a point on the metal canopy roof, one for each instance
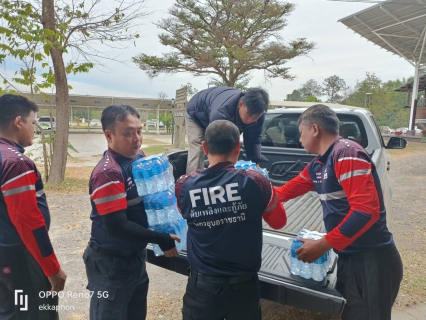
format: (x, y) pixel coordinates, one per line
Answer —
(397, 26)
(408, 87)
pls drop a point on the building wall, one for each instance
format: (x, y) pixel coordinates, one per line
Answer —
(421, 113)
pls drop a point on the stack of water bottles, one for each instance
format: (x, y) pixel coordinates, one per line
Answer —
(155, 183)
(316, 270)
(248, 165)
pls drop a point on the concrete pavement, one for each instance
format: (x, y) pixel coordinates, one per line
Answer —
(91, 144)
(412, 313)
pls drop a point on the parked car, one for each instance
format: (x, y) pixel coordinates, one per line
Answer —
(403, 130)
(284, 158)
(95, 123)
(153, 123)
(46, 123)
(386, 129)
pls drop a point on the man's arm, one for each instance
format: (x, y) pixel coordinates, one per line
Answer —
(295, 187)
(252, 140)
(117, 225)
(353, 170)
(109, 197)
(274, 214)
(19, 192)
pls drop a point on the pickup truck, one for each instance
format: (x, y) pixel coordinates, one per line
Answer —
(284, 157)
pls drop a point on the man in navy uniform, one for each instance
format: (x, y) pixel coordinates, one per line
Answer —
(245, 109)
(369, 268)
(224, 208)
(27, 259)
(116, 254)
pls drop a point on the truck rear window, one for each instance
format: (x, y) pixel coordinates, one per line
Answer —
(282, 130)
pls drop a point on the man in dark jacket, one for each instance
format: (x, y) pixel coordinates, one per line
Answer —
(245, 109)
(224, 208)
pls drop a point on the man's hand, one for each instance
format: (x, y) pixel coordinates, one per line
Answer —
(312, 249)
(172, 252)
(58, 281)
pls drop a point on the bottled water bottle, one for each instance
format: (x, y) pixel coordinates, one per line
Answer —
(147, 176)
(150, 212)
(157, 250)
(159, 209)
(318, 269)
(137, 169)
(169, 202)
(295, 264)
(305, 270)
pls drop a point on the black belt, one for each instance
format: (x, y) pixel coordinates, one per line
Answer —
(221, 280)
(120, 254)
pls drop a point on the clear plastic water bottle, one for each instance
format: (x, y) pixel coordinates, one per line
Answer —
(157, 250)
(305, 270)
(157, 170)
(318, 269)
(147, 175)
(181, 229)
(159, 209)
(327, 262)
(137, 169)
(150, 212)
(295, 264)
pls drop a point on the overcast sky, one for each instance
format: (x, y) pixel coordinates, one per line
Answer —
(339, 52)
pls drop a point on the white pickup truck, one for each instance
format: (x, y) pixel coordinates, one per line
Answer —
(284, 157)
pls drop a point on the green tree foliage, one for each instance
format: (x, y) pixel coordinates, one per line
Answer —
(294, 96)
(311, 99)
(311, 89)
(189, 88)
(226, 39)
(386, 104)
(39, 33)
(334, 89)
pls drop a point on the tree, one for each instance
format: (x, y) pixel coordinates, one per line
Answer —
(54, 28)
(294, 96)
(310, 89)
(226, 39)
(382, 100)
(189, 88)
(334, 88)
(311, 99)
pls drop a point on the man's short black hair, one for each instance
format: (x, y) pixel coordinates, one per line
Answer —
(256, 100)
(11, 106)
(221, 137)
(113, 113)
(321, 115)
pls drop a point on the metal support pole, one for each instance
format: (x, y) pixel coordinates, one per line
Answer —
(158, 118)
(414, 96)
(88, 116)
(71, 117)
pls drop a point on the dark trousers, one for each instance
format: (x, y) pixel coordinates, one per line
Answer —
(217, 300)
(119, 285)
(370, 283)
(20, 271)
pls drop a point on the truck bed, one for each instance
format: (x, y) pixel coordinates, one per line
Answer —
(276, 282)
(311, 219)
